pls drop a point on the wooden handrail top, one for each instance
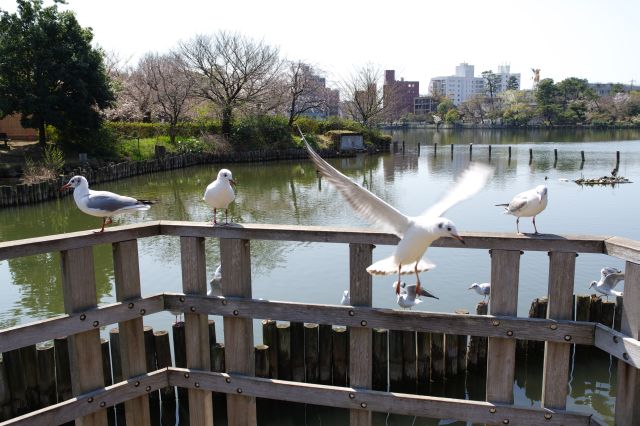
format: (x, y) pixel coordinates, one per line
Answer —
(615, 246)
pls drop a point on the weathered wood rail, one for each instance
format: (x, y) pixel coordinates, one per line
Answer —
(239, 382)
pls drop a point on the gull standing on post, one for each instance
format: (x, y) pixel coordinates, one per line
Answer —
(526, 204)
(219, 194)
(483, 289)
(102, 204)
(416, 233)
(609, 278)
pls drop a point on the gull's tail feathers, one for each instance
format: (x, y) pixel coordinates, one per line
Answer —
(617, 293)
(389, 266)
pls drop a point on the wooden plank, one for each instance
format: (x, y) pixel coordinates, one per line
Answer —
(311, 353)
(398, 403)
(623, 248)
(475, 325)
(501, 355)
(194, 281)
(85, 355)
(83, 320)
(235, 255)
(619, 345)
(360, 338)
(560, 306)
(86, 404)
(75, 240)
(628, 392)
(132, 351)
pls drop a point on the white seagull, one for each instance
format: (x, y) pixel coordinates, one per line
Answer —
(346, 299)
(408, 296)
(483, 289)
(219, 194)
(416, 233)
(609, 278)
(102, 204)
(526, 204)
(215, 285)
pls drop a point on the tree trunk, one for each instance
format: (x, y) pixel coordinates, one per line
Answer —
(42, 136)
(226, 120)
(172, 133)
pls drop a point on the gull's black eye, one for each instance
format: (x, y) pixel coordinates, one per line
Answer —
(448, 228)
(440, 225)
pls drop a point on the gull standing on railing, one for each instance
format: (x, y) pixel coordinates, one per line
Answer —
(526, 204)
(409, 297)
(416, 233)
(609, 278)
(219, 194)
(102, 204)
(483, 289)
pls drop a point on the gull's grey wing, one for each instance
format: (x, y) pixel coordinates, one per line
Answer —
(110, 203)
(369, 206)
(516, 204)
(613, 279)
(608, 270)
(411, 291)
(472, 180)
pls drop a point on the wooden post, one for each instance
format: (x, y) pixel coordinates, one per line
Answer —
(30, 365)
(530, 155)
(462, 346)
(85, 356)
(470, 150)
(617, 316)
(582, 155)
(437, 357)
(116, 365)
(196, 326)
(628, 392)
(418, 149)
(132, 352)
(46, 374)
(409, 358)
(163, 360)
(489, 151)
(5, 393)
(403, 146)
(17, 382)
(151, 365)
(105, 348)
(595, 308)
(262, 360)
(451, 150)
(339, 342)
(325, 354)
(505, 268)
(583, 303)
(435, 148)
(509, 153)
(451, 355)
(607, 313)
(395, 360)
(270, 338)
(180, 360)
(617, 158)
(380, 342)
(238, 332)
(360, 339)
(217, 365)
(555, 155)
(538, 309)
(560, 307)
(63, 372)
(284, 351)
(297, 351)
(477, 356)
(311, 353)
(423, 342)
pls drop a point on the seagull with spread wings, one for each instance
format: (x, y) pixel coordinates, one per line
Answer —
(416, 233)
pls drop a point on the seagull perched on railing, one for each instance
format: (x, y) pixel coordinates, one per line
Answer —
(609, 278)
(416, 233)
(408, 296)
(483, 289)
(346, 299)
(219, 193)
(102, 204)
(526, 204)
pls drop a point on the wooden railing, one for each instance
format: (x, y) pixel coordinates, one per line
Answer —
(83, 319)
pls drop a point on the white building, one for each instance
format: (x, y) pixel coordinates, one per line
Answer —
(465, 85)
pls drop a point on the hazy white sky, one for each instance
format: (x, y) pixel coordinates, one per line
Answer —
(597, 40)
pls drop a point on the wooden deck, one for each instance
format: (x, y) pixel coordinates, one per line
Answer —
(83, 319)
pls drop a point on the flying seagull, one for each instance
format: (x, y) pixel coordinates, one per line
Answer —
(416, 233)
(102, 204)
(526, 204)
(219, 194)
(483, 289)
(609, 278)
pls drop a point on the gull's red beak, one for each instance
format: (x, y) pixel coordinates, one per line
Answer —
(65, 186)
(459, 238)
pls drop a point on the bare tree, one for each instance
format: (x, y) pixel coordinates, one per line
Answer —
(233, 70)
(170, 85)
(365, 101)
(306, 89)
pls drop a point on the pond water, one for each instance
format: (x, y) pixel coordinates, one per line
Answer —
(289, 192)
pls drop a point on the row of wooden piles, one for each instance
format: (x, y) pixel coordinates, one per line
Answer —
(403, 361)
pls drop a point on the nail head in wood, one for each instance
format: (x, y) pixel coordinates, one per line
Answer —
(90, 400)
(547, 416)
(495, 323)
(352, 395)
(136, 384)
(103, 404)
(130, 305)
(193, 309)
(143, 311)
(96, 323)
(492, 410)
(228, 380)
(148, 388)
(186, 375)
(224, 302)
(363, 323)
(239, 390)
(236, 312)
(509, 333)
(181, 298)
(553, 326)
(83, 317)
(567, 337)
(363, 405)
(351, 313)
(615, 339)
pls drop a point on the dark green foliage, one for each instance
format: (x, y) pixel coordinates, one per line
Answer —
(150, 130)
(50, 73)
(261, 132)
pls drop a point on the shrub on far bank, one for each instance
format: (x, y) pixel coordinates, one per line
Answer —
(261, 132)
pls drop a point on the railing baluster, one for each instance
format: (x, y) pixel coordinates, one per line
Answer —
(194, 281)
(85, 354)
(501, 355)
(360, 349)
(560, 306)
(238, 332)
(132, 351)
(628, 391)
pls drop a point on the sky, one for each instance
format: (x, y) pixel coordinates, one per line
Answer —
(596, 40)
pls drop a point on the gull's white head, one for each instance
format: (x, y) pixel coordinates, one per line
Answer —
(75, 182)
(541, 190)
(225, 174)
(446, 228)
(474, 285)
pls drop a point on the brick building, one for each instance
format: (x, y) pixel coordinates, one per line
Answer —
(399, 95)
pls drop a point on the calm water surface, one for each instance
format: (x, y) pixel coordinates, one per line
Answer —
(289, 192)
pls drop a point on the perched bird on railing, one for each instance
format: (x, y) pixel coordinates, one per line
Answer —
(219, 194)
(346, 299)
(609, 278)
(526, 204)
(483, 289)
(408, 295)
(215, 285)
(416, 233)
(102, 204)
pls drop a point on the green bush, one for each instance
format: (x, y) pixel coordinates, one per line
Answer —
(261, 132)
(150, 130)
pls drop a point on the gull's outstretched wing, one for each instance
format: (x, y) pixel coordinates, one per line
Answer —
(369, 206)
(470, 183)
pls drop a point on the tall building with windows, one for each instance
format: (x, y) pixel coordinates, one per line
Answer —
(399, 94)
